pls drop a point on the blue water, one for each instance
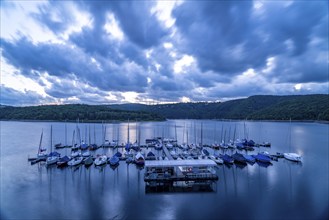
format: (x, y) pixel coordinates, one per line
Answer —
(285, 190)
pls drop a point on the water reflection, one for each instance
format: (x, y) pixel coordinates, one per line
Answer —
(282, 190)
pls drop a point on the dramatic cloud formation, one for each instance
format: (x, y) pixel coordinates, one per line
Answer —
(100, 52)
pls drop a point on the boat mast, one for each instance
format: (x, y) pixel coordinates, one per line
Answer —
(234, 134)
(187, 136)
(221, 136)
(201, 134)
(225, 137)
(104, 135)
(118, 130)
(85, 134)
(65, 134)
(136, 131)
(51, 138)
(195, 142)
(128, 132)
(89, 135)
(73, 139)
(229, 134)
(244, 130)
(39, 151)
(290, 135)
(184, 133)
(215, 132)
(175, 133)
(139, 135)
(94, 134)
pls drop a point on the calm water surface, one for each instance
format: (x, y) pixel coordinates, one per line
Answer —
(284, 190)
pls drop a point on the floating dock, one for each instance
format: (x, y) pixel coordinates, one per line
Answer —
(171, 173)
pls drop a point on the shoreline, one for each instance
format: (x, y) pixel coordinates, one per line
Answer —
(122, 121)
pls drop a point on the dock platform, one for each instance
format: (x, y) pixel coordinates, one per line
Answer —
(169, 171)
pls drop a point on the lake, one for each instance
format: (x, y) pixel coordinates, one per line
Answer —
(285, 190)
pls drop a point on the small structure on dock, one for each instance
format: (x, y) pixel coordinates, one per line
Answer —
(180, 175)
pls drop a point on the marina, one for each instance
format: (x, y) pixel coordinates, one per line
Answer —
(169, 165)
(127, 190)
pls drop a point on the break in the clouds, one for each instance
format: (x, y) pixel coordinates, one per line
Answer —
(100, 52)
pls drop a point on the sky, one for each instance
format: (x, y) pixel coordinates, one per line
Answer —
(104, 52)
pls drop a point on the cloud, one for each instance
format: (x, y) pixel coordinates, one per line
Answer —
(107, 51)
(64, 60)
(10, 96)
(230, 37)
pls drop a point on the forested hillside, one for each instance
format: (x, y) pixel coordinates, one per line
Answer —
(74, 112)
(302, 107)
(262, 107)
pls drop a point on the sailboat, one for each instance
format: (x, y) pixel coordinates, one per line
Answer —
(41, 155)
(53, 156)
(63, 161)
(292, 156)
(114, 160)
(100, 160)
(88, 161)
(139, 159)
(75, 161)
(41, 151)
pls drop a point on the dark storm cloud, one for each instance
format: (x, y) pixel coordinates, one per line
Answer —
(134, 17)
(230, 37)
(211, 30)
(95, 42)
(10, 96)
(63, 61)
(138, 23)
(26, 56)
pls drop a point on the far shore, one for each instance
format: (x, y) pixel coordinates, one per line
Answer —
(121, 121)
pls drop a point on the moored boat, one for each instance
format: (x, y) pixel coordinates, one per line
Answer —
(75, 161)
(114, 160)
(262, 158)
(227, 159)
(250, 159)
(139, 159)
(150, 156)
(88, 161)
(293, 157)
(239, 158)
(100, 160)
(63, 161)
(216, 159)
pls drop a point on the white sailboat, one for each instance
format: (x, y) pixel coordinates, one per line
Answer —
(139, 159)
(100, 160)
(75, 161)
(53, 156)
(41, 152)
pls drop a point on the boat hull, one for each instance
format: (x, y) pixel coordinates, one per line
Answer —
(292, 157)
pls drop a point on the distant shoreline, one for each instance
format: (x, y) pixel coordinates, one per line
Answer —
(121, 121)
